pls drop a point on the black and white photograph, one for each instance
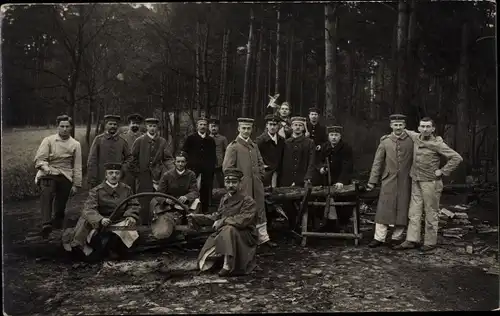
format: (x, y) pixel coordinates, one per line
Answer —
(249, 157)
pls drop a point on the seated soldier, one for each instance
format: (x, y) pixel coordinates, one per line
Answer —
(178, 182)
(235, 239)
(90, 235)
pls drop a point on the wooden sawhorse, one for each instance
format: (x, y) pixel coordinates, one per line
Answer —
(304, 210)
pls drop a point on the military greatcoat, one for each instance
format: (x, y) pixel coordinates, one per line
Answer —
(298, 161)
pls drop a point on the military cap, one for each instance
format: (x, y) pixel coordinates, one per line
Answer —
(334, 129)
(271, 118)
(62, 118)
(214, 121)
(233, 174)
(299, 119)
(113, 166)
(152, 120)
(202, 119)
(245, 120)
(180, 153)
(313, 110)
(135, 117)
(397, 117)
(111, 117)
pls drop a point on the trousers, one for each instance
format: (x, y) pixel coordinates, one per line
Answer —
(425, 196)
(382, 229)
(54, 197)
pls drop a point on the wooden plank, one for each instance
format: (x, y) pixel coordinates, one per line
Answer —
(334, 203)
(334, 235)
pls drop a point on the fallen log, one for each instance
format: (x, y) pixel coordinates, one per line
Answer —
(293, 193)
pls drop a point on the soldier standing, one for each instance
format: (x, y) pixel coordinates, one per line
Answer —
(271, 147)
(202, 158)
(220, 150)
(106, 148)
(393, 161)
(130, 136)
(317, 133)
(151, 158)
(426, 185)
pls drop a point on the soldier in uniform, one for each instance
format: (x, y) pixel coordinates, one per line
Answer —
(220, 150)
(235, 241)
(107, 147)
(59, 164)
(202, 158)
(427, 184)
(271, 147)
(151, 159)
(298, 160)
(391, 165)
(135, 120)
(336, 170)
(178, 182)
(243, 154)
(90, 236)
(317, 133)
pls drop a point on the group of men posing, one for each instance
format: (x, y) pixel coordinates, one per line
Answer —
(293, 151)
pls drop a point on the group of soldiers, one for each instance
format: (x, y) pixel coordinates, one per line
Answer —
(292, 151)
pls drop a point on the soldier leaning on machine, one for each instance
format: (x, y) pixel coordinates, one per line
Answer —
(59, 164)
(90, 238)
(107, 147)
(151, 159)
(135, 121)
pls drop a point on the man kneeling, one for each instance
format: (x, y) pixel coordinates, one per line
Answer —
(90, 235)
(235, 237)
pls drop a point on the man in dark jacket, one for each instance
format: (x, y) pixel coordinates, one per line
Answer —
(130, 136)
(336, 170)
(202, 159)
(317, 133)
(220, 149)
(271, 147)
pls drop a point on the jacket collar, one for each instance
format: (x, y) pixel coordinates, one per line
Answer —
(110, 190)
(248, 143)
(394, 137)
(111, 136)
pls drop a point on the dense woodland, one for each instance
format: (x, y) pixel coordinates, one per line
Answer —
(357, 61)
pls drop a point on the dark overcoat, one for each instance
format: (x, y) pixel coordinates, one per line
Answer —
(298, 161)
(272, 155)
(340, 162)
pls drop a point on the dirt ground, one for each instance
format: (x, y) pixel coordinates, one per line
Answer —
(326, 276)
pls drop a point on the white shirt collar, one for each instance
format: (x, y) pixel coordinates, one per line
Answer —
(151, 136)
(243, 138)
(202, 135)
(273, 137)
(112, 185)
(180, 172)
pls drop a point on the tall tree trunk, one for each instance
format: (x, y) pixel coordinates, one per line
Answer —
(197, 94)
(257, 100)
(330, 59)
(289, 72)
(269, 64)
(223, 80)
(206, 84)
(277, 69)
(401, 54)
(412, 79)
(317, 87)
(462, 133)
(246, 89)
(302, 78)
(394, 69)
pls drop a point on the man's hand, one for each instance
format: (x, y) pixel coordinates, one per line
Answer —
(307, 183)
(45, 169)
(307, 134)
(131, 221)
(438, 173)
(217, 224)
(155, 185)
(339, 186)
(182, 199)
(370, 186)
(318, 148)
(322, 170)
(105, 222)
(74, 190)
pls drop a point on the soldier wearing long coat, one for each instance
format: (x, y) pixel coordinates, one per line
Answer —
(236, 234)
(244, 154)
(391, 166)
(100, 204)
(151, 159)
(317, 132)
(107, 147)
(130, 136)
(271, 147)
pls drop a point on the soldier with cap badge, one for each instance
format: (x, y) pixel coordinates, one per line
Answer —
(107, 147)
(271, 147)
(90, 236)
(244, 154)
(336, 168)
(151, 158)
(202, 159)
(130, 136)
(391, 166)
(220, 150)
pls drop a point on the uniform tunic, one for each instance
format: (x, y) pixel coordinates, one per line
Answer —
(130, 138)
(245, 155)
(106, 148)
(339, 161)
(237, 238)
(177, 185)
(101, 202)
(298, 161)
(151, 158)
(317, 133)
(393, 161)
(272, 155)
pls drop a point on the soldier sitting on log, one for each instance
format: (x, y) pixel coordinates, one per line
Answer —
(178, 182)
(90, 235)
(234, 242)
(336, 170)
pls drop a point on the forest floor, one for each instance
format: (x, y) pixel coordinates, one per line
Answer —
(326, 276)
